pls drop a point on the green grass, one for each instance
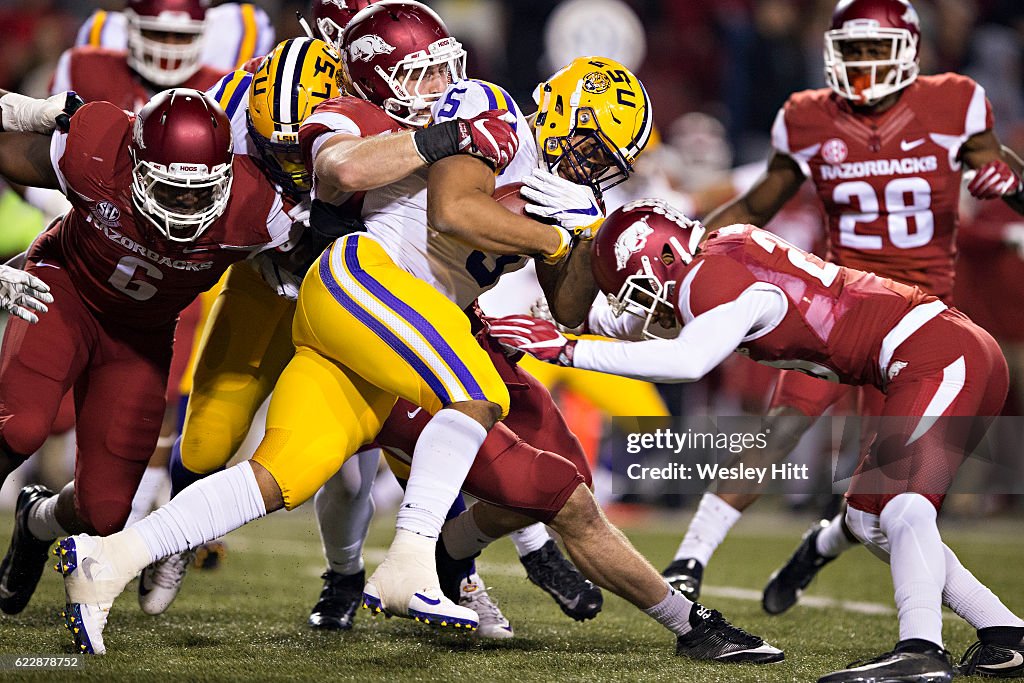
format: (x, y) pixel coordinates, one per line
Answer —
(247, 620)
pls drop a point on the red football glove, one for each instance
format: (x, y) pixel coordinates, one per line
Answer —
(539, 338)
(993, 180)
(489, 136)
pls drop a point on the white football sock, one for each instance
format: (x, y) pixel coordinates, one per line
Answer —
(154, 481)
(462, 537)
(441, 460)
(42, 520)
(972, 600)
(343, 516)
(529, 539)
(673, 613)
(203, 512)
(917, 561)
(832, 540)
(707, 529)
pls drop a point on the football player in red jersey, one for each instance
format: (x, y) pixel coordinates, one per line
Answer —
(885, 149)
(743, 288)
(164, 44)
(161, 207)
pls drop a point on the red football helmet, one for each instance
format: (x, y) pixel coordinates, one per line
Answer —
(181, 149)
(332, 16)
(895, 25)
(392, 49)
(633, 251)
(165, 38)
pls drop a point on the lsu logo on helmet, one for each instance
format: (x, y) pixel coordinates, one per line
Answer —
(367, 47)
(632, 240)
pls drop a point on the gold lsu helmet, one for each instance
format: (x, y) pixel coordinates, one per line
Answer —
(297, 75)
(593, 120)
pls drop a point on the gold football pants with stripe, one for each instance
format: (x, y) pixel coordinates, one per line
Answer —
(366, 332)
(245, 345)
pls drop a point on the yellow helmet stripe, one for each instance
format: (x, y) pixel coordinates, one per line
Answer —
(247, 47)
(96, 32)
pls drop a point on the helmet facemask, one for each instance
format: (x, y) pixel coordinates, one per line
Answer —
(644, 295)
(900, 67)
(164, 63)
(281, 159)
(182, 200)
(410, 105)
(586, 156)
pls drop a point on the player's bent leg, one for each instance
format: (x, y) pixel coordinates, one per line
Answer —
(604, 554)
(401, 334)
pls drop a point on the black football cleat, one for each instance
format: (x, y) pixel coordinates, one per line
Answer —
(341, 596)
(686, 576)
(26, 557)
(577, 597)
(998, 653)
(929, 666)
(716, 639)
(787, 584)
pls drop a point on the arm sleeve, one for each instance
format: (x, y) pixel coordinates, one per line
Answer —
(704, 343)
(603, 322)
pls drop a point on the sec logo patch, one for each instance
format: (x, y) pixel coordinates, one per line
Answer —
(834, 151)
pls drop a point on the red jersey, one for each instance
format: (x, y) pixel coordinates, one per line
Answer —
(836, 318)
(125, 271)
(889, 183)
(97, 74)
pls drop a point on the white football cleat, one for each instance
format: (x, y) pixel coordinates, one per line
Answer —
(160, 582)
(473, 594)
(93, 578)
(406, 585)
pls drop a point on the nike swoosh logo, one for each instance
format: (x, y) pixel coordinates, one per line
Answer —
(5, 593)
(571, 604)
(429, 601)
(1016, 661)
(413, 413)
(907, 146)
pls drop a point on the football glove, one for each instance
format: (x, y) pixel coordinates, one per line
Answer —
(993, 180)
(30, 115)
(22, 293)
(539, 338)
(487, 136)
(573, 207)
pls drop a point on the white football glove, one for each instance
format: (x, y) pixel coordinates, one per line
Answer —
(574, 207)
(23, 114)
(22, 293)
(280, 279)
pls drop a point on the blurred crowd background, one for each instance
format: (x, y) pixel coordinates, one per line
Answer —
(717, 73)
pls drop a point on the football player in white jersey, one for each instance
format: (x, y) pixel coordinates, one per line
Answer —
(235, 33)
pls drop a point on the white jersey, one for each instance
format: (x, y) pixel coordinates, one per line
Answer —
(235, 33)
(396, 215)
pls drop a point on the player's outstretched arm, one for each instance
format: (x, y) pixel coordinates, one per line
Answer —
(25, 159)
(348, 163)
(459, 204)
(763, 200)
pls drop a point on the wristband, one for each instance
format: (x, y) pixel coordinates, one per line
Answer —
(437, 141)
(563, 248)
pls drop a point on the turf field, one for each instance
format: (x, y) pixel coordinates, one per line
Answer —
(247, 619)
